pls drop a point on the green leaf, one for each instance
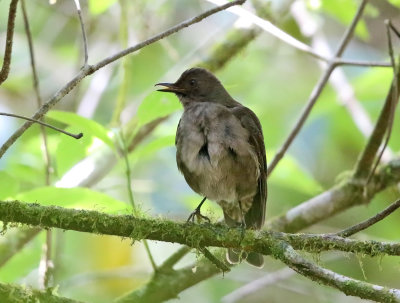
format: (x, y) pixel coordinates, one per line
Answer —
(97, 7)
(22, 263)
(9, 185)
(344, 11)
(373, 84)
(395, 2)
(78, 197)
(149, 149)
(290, 174)
(70, 151)
(157, 105)
(87, 126)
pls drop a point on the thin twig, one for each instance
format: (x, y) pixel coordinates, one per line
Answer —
(166, 33)
(76, 136)
(5, 69)
(90, 69)
(46, 153)
(85, 46)
(123, 87)
(317, 90)
(393, 101)
(49, 267)
(121, 138)
(275, 31)
(48, 264)
(45, 265)
(371, 221)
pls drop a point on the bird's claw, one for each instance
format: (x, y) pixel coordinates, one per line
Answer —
(196, 213)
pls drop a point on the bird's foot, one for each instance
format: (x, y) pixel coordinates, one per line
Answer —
(196, 213)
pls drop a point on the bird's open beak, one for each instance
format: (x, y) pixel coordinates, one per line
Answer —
(170, 88)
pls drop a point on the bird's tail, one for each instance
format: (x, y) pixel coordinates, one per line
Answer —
(235, 256)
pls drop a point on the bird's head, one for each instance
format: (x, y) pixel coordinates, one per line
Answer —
(197, 85)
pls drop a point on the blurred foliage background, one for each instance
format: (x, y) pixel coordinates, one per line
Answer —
(270, 77)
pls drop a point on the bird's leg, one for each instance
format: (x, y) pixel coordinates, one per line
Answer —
(196, 212)
(243, 223)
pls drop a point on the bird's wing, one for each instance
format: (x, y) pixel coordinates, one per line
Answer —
(255, 217)
(177, 132)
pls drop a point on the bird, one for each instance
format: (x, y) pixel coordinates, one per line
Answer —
(221, 153)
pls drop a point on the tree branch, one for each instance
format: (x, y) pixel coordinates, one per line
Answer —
(369, 222)
(167, 285)
(192, 235)
(275, 31)
(90, 69)
(280, 245)
(317, 90)
(349, 286)
(15, 294)
(335, 200)
(5, 69)
(85, 46)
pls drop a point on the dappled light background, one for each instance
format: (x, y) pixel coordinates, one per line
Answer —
(268, 76)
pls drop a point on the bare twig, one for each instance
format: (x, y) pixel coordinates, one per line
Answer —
(272, 29)
(46, 153)
(123, 87)
(85, 47)
(76, 136)
(335, 200)
(317, 90)
(351, 287)
(166, 33)
(5, 69)
(371, 221)
(47, 263)
(90, 69)
(124, 148)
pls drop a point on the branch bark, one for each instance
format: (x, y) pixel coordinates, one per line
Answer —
(193, 235)
(349, 286)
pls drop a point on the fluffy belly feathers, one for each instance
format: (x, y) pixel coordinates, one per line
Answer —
(217, 161)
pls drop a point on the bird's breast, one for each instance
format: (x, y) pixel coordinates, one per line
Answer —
(214, 154)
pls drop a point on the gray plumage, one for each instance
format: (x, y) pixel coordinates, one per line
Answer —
(220, 151)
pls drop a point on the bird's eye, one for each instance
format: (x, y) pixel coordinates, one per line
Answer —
(192, 82)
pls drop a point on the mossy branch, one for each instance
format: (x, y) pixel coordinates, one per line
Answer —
(192, 235)
(16, 294)
(277, 244)
(284, 252)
